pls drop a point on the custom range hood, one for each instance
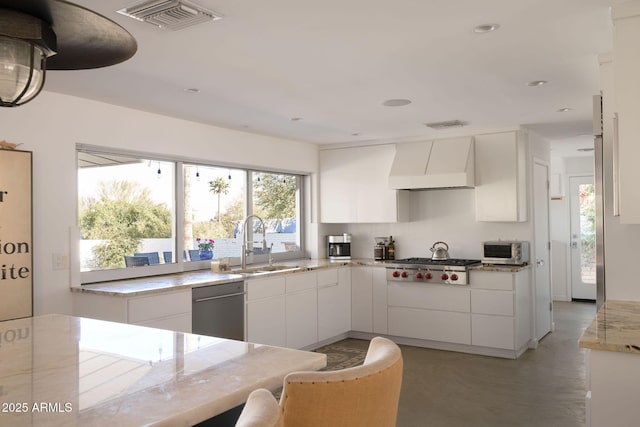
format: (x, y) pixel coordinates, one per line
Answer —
(443, 163)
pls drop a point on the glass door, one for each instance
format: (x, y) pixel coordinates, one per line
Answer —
(583, 238)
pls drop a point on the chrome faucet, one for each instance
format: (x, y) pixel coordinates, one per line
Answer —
(245, 240)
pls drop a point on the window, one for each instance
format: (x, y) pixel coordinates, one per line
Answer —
(140, 215)
(214, 205)
(275, 201)
(126, 211)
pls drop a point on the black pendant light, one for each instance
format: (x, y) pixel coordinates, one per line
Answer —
(36, 35)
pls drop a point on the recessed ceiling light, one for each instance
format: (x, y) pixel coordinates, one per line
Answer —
(295, 119)
(535, 83)
(192, 90)
(396, 102)
(564, 110)
(355, 134)
(485, 28)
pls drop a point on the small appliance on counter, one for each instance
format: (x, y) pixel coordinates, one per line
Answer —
(339, 247)
(385, 249)
(380, 249)
(505, 252)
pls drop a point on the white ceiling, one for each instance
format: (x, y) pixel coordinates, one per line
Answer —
(333, 63)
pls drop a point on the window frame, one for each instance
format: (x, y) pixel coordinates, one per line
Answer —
(180, 266)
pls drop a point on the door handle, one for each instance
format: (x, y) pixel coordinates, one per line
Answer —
(540, 262)
(574, 245)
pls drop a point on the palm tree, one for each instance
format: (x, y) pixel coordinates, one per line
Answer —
(219, 186)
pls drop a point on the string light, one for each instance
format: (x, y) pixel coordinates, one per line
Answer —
(229, 175)
(159, 171)
(197, 174)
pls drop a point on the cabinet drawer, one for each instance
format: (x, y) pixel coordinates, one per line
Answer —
(493, 331)
(445, 326)
(492, 302)
(491, 280)
(264, 288)
(433, 297)
(327, 277)
(301, 281)
(158, 306)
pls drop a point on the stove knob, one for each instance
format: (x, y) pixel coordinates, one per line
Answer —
(418, 275)
(454, 276)
(428, 276)
(396, 274)
(444, 276)
(404, 275)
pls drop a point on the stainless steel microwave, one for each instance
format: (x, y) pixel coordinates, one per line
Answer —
(506, 252)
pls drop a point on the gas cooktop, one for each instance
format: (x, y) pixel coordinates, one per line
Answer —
(429, 261)
(426, 270)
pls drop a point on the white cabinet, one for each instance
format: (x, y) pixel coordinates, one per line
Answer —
(361, 299)
(429, 312)
(334, 302)
(500, 309)
(369, 299)
(170, 310)
(501, 193)
(626, 68)
(354, 186)
(301, 309)
(266, 312)
(379, 300)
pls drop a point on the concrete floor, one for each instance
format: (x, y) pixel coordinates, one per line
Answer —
(544, 387)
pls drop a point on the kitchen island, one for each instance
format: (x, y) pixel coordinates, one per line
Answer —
(60, 370)
(613, 364)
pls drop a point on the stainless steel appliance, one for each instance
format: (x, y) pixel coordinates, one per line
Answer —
(339, 247)
(440, 251)
(426, 270)
(381, 249)
(599, 155)
(505, 252)
(218, 310)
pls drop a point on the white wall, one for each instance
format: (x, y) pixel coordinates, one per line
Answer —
(436, 215)
(52, 124)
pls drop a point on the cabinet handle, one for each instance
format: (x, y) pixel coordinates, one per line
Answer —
(221, 296)
(616, 168)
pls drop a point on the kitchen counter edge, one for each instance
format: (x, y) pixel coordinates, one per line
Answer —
(193, 279)
(615, 328)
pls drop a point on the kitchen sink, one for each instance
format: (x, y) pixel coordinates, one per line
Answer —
(266, 269)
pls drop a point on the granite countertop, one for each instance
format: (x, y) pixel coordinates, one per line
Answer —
(501, 268)
(87, 372)
(616, 327)
(190, 279)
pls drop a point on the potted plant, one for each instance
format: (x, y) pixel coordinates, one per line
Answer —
(206, 248)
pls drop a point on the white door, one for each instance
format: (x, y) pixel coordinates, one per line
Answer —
(543, 306)
(583, 237)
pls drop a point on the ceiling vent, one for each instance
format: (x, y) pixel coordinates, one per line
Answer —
(170, 14)
(446, 125)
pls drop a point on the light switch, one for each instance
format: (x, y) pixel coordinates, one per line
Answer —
(60, 261)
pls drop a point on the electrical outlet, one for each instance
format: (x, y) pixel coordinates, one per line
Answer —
(60, 261)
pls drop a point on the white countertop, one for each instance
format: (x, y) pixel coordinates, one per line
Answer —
(59, 370)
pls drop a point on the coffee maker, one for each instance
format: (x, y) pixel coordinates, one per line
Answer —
(339, 247)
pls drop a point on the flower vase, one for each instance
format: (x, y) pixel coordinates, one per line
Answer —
(206, 254)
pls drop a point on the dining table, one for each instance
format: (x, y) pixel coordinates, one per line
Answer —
(61, 370)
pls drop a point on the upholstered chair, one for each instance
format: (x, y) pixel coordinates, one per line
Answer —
(362, 396)
(261, 410)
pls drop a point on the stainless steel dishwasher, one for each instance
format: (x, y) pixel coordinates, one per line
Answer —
(218, 310)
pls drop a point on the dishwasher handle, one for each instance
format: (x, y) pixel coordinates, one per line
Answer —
(218, 297)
